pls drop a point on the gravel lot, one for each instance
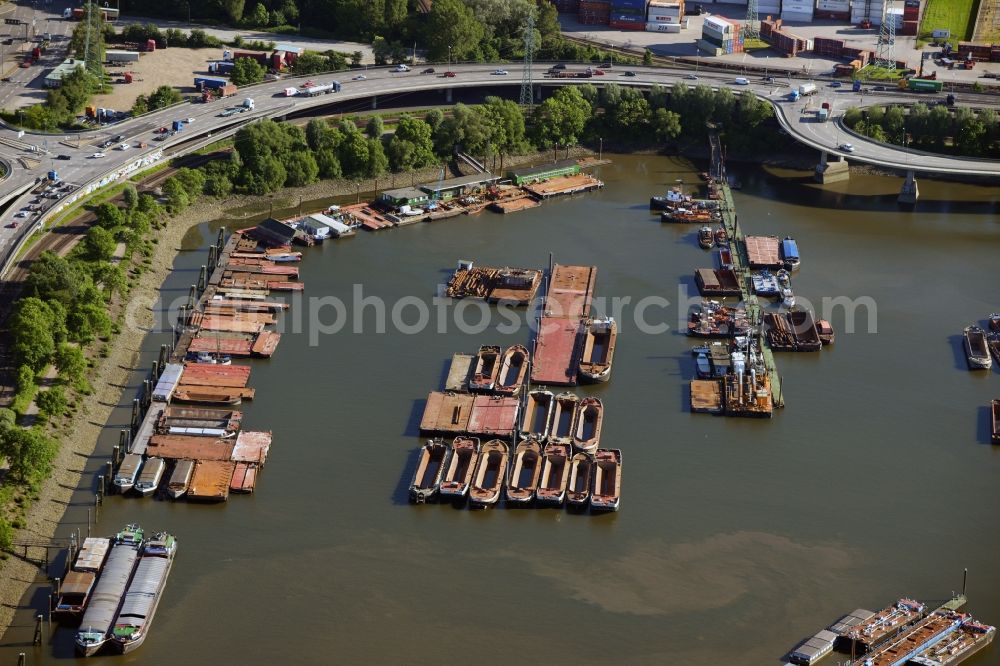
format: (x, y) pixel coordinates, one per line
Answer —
(170, 67)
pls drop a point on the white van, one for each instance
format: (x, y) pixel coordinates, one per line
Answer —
(740, 81)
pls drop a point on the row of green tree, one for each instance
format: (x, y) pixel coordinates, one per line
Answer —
(938, 129)
(139, 33)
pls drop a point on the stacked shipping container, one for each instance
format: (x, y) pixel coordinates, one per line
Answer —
(595, 12)
(839, 10)
(721, 35)
(567, 6)
(911, 17)
(797, 10)
(664, 16)
(870, 10)
(628, 14)
(782, 40)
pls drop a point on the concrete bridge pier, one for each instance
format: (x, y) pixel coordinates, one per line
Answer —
(448, 95)
(908, 195)
(831, 170)
(375, 101)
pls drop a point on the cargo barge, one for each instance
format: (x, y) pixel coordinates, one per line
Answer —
(517, 286)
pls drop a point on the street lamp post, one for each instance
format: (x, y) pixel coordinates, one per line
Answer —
(449, 56)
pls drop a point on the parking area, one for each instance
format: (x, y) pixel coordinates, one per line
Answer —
(164, 67)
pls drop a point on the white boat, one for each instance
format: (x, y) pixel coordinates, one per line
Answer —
(149, 478)
(144, 592)
(127, 472)
(787, 297)
(213, 359)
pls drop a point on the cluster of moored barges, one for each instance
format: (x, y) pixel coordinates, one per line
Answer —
(187, 439)
(981, 347)
(906, 632)
(113, 588)
(736, 375)
(497, 437)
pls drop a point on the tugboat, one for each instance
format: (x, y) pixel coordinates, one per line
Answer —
(706, 239)
(825, 331)
(721, 236)
(674, 197)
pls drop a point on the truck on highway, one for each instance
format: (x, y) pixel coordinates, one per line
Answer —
(807, 89)
(177, 125)
(319, 89)
(823, 115)
(569, 74)
(856, 87)
(210, 83)
(924, 85)
(227, 90)
(248, 104)
(291, 92)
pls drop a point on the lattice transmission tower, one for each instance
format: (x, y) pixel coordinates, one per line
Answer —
(885, 52)
(751, 26)
(527, 98)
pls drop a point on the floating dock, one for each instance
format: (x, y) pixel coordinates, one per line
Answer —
(717, 282)
(446, 412)
(191, 447)
(514, 205)
(459, 372)
(493, 416)
(557, 352)
(762, 251)
(570, 291)
(211, 374)
(252, 447)
(706, 396)
(210, 480)
(563, 185)
(516, 286)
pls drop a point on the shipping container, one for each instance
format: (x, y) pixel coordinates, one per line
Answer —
(662, 27)
(209, 82)
(167, 382)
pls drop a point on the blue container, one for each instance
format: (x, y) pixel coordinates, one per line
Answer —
(635, 5)
(53, 176)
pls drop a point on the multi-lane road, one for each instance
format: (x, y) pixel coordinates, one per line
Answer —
(202, 120)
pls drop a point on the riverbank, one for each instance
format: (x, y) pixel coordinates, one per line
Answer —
(109, 377)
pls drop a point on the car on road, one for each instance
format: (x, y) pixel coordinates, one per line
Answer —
(879, 88)
(21, 213)
(12, 225)
(769, 79)
(742, 81)
(5, 79)
(118, 138)
(359, 77)
(25, 64)
(691, 77)
(161, 137)
(559, 66)
(97, 156)
(123, 146)
(595, 72)
(836, 84)
(400, 68)
(629, 73)
(108, 143)
(449, 75)
(62, 157)
(429, 70)
(500, 72)
(846, 147)
(160, 130)
(189, 121)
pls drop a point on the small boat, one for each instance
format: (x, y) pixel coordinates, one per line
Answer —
(977, 352)
(702, 363)
(589, 418)
(537, 415)
(563, 415)
(787, 297)
(487, 367)
(214, 359)
(706, 239)
(581, 469)
(711, 319)
(765, 284)
(600, 336)
(825, 331)
(144, 593)
(995, 421)
(98, 620)
(673, 197)
(606, 494)
(128, 472)
(458, 476)
(721, 236)
(994, 322)
(725, 257)
(513, 369)
(491, 474)
(527, 469)
(555, 474)
(284, 257)
(180, 478)
(790, 253)
(784, 277)
(430, 469)
(149, 478)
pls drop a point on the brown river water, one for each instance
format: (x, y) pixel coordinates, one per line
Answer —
(736, 538)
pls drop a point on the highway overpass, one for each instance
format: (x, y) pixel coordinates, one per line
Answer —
(30, 156)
